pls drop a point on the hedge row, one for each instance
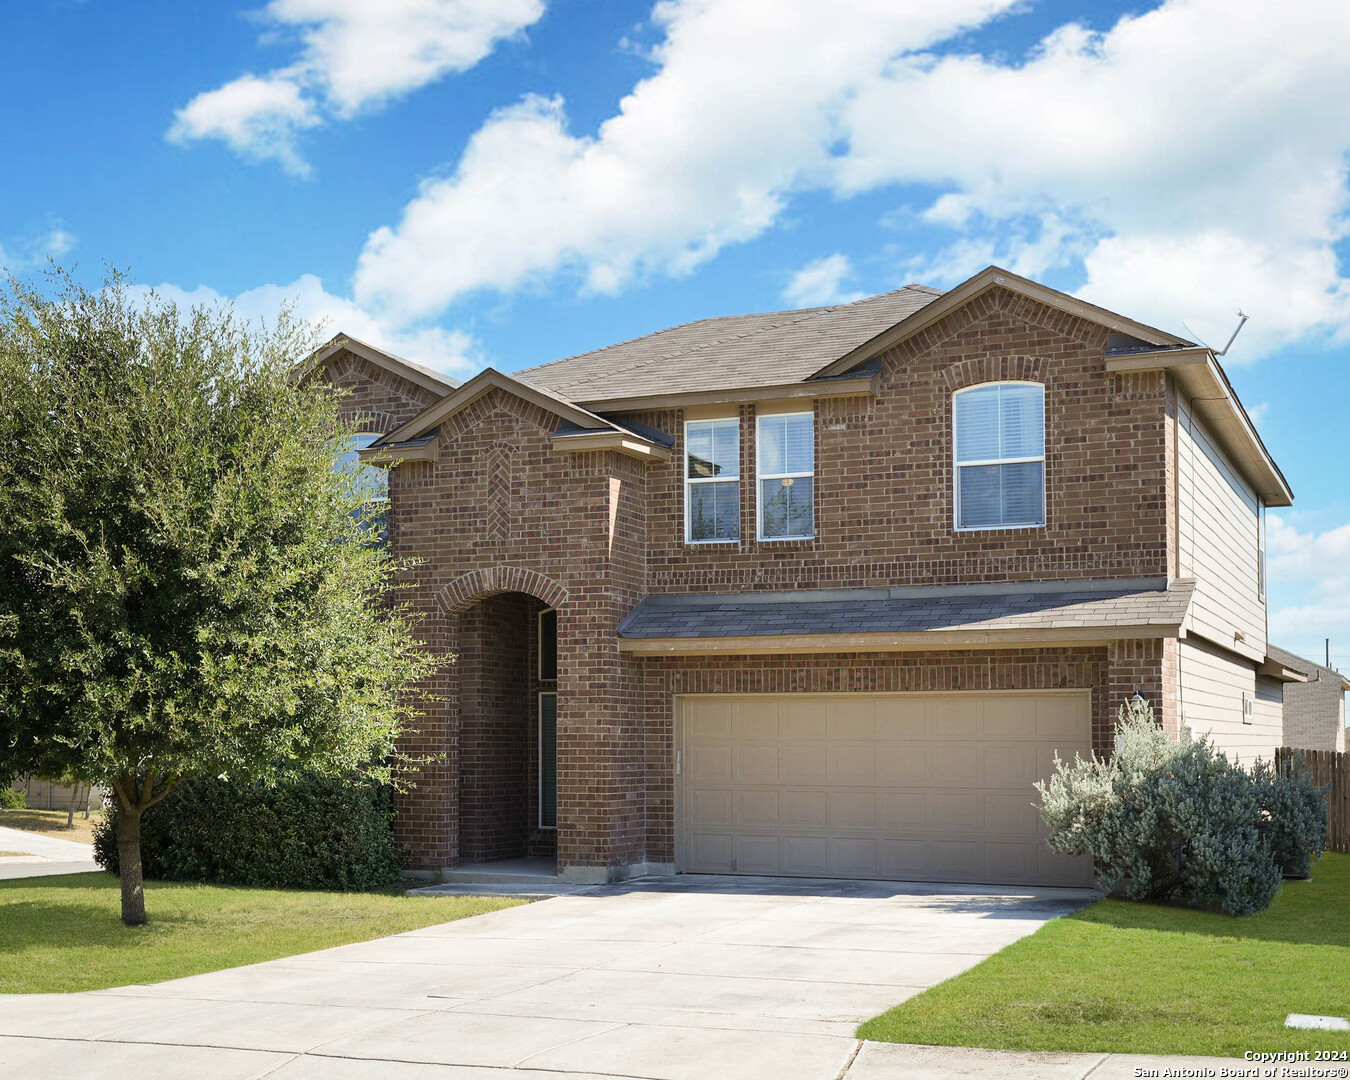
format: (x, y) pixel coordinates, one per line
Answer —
(311, 833)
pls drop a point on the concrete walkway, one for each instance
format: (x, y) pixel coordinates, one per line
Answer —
(683, 979)
(44, 855)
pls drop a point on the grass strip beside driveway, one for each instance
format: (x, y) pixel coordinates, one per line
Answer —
(63, 934)
(53, 823)
(1146, 979)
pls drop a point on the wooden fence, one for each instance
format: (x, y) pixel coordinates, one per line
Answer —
(1329, 767)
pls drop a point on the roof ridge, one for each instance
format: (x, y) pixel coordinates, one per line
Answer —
(440, 376)
(805, 315)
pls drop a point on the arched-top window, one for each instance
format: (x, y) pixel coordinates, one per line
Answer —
(1000, 455)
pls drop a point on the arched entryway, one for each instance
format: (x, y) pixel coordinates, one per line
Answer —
(505, 632)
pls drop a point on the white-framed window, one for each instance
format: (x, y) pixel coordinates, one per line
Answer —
(712, 481)
(548, 759)
(372, 481)
(785, 457)
(999, 451)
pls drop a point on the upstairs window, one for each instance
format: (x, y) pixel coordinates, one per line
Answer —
(1000, 455)
(712, 484)
(786, 455)
(371, 481)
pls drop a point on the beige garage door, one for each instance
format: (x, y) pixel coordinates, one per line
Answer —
(911, 787)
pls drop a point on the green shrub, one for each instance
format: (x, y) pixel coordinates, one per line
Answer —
(12, 799)
(310, 833)
(1178, 821)
(1295, 815)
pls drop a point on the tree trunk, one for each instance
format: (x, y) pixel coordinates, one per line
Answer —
(129, 865)
(70, 807)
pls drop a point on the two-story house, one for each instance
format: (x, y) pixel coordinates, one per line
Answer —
(819, 592)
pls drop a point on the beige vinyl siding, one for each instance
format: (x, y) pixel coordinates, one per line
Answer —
(1217, 540)
(1213, 683)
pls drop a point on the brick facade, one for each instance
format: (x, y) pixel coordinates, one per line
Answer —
(503, 516)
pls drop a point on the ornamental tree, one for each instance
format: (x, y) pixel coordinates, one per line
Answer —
(188, 586)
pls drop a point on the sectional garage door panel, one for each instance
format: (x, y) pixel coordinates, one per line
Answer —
(930, 787)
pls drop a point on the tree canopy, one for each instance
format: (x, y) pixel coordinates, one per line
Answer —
(188, 586)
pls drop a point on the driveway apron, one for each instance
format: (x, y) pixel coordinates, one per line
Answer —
(669, 979)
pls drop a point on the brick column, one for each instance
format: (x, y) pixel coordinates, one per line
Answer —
(1147, 666)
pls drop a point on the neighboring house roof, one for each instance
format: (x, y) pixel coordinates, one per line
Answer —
(414, 373)
(1310, 668)
(907, 618)
(734, 352)
(1314, 708)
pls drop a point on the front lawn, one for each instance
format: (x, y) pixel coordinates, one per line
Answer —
(61, 934)
(1144, 979)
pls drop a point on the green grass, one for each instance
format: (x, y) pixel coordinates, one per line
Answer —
(62, 934)
(1140, 978)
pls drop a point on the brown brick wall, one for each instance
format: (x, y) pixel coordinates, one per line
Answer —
(884, 512)
(1314, 712)
(569, 531)
(502, 511)
(495, 727)
(375, 397)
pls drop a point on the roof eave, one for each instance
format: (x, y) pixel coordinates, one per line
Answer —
(425, 449)
(619, 441)
(1273, 669)
(901, 641)
(1198, 373)
(990, 278)
(414, 373)
(855, 386)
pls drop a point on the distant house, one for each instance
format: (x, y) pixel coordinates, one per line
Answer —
(1314, 711)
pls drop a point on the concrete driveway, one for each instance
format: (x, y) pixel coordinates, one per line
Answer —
(689, 978)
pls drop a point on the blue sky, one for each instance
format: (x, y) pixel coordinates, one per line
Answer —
(505, 182)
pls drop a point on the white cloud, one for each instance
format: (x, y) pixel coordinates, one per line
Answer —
(821, 282)
(1186, 161)
(742, 110)
(32, 252)
(1310, 588)
(354, 55)
(453, 352)
(256, 117)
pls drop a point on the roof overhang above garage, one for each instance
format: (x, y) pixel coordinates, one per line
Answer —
(922, 618)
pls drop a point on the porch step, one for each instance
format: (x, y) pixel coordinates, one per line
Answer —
(505, 872)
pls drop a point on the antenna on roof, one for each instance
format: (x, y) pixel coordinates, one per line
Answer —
(1242, 321)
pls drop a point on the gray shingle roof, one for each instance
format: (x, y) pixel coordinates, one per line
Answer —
(730, 353)
(1293, 661)
(1022, 606)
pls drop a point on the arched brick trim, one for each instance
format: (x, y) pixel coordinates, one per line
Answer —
(473, 586)
(987, 369)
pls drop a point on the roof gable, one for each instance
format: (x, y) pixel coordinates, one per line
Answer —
(579, 429)
(405, 369)
(993, 277)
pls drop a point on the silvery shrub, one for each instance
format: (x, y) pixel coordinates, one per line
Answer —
(1172, 821)
(1295, 814)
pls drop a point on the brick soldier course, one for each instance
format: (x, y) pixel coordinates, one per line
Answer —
(514, 494)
